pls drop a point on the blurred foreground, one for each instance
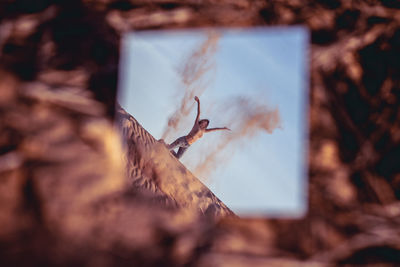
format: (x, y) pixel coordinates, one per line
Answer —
(65, 198)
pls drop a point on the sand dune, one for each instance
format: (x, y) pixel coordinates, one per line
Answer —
(155, 172)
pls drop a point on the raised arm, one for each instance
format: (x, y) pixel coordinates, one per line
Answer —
(198, 109)
(217, 129)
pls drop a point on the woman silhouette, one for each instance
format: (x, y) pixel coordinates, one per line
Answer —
(199, 128)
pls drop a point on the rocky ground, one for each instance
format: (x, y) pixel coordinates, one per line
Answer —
(66, 197)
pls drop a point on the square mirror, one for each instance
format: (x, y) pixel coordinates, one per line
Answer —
(252, 81)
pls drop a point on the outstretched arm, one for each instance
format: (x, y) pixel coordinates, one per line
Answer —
(217, 129)
(198, 109)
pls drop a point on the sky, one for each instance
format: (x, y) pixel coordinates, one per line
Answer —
(261, 174)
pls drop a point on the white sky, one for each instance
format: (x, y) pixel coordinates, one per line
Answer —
(265, 175)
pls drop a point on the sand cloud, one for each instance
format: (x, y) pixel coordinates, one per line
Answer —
(194, 83)
(245, 116)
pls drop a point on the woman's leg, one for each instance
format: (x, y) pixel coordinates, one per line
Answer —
(180, 152)
(181, 141)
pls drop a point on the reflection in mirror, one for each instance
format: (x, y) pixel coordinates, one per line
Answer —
(253, 82)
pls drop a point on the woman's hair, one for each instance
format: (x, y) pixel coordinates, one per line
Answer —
(207, 121)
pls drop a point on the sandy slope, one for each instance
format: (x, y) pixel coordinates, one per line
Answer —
(154, 171)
